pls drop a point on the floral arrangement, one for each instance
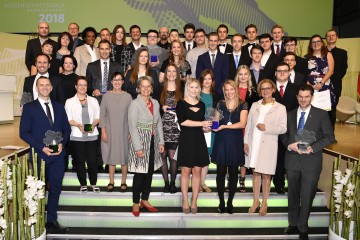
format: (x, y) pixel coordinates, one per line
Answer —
(344, 203)
(22, 199)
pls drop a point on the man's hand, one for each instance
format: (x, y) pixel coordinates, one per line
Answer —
(96, 93)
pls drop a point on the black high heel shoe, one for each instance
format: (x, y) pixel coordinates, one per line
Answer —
(230, 209)
(221, 208)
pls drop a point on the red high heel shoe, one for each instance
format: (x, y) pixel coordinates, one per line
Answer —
(150, 209)
(135, 213)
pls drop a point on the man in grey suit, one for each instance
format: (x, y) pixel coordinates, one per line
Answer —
(303, 168)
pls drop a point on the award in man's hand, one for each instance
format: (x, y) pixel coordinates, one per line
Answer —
(306, 138)
(52, 140)
(214, 115)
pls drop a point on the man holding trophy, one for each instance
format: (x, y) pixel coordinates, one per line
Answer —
(309, 131)
(45, 127)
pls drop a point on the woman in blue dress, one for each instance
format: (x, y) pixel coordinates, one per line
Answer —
(321, 68)
(228, 151)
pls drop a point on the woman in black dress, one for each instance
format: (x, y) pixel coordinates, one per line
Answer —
(192, 150)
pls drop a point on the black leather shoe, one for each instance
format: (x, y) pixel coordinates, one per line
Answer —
(291, 230)
(221, 208)
(303, 236)
(280, 190)
(230, 209)
(56, 228)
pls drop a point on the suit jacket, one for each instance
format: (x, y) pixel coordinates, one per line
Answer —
(301, 66)
(261, 77)
(33, 48)
(220, 69)
(57, 94)
(34, 124)
(282, 49)
(185, 47)
(318, 122)
(232, 66)
(289, 99)
(245, 51)
(269, 68)
(299, 79)
(132, 48)
(77, 43)
(83, 58)
(340, 59)
(94, 76)
(228, 49)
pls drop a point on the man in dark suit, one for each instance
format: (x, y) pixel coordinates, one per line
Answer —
(42, 64)
(340, 60)
(256, 69)
(251, 35)
(37, 118)
(303, 168)
(301, 66)
(286, 95)
(236, 58)
(269, 59)
(189, 31)
(277, 46)
(223, 46)
(294, 77)
(99, 73)
(215, 61)
(73, 29)
(33, 47)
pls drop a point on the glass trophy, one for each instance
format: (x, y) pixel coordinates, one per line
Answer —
(214, 115)
(52, 140)
(88, 127)
(306, 138)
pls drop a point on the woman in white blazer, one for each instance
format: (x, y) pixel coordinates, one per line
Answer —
(83, 113)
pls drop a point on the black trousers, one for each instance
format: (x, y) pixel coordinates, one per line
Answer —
(279, 177)
(142, 181)
(85, 152)
(221, 171)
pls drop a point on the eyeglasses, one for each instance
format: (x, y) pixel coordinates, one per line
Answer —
(82, 85)
(145, 87)
(316, 42)
(282, 71)
(266, 89)
(152, 36)
(117, 80)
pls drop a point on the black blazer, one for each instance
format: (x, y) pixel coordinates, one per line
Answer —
(301, 66)
(94, 76)
(232, 66)
(289, 99)
(341, 65)
(185, 47)
(57, 94)
(228, 49)
(250, 99)
(282, 49)
(261, 77)
(132, 48)
(77, 43)
(269, 68)
(299, 79)
(33, 48)
(245, 52)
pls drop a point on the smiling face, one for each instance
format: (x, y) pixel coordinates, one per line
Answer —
(143, 58)
(176, 49)
(44, 88)
(73, 30)
(119, 35)
(90, 38)
(189, 34)
(256, 55)
(152, 38)
(81, 86)
(47, 49)
(229, 92)
(213, 42)
(135, 34)
(164, 33)
(68, 65)
(104, 50)
(208, 81)
(237, 43)
(290, 60)
(42, 64)
(43, 30)
(174, 36)
(193, 90)
(290, 46)
(171, 73)
(117, 82)
(200, 38)
(282, 74)
(243, 75)
(266, 90)
(223, 34)
(65, 41)
(105, 35)
(251, 34)
(316, 44)
(145, 88)
(304, 99)
(277, 34)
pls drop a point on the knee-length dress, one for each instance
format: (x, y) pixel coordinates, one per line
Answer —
(170, 123)
(229, 143)
(114, 118)
(192, 150)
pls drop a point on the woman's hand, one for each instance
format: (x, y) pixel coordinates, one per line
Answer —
(165, 107)
(206, 124)
(220, 128)
(103, 136)
(246, 148)
(261, 126)
(206, 129)
(139, 153)
(161, 148)
(318, 86)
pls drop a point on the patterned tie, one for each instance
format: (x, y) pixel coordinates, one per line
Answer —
(277, 49)
(237, 61)
(105, 78)
(282, 90)
(212, 60)
(48, 114)
(301, 121)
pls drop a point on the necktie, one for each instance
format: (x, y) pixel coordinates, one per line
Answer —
(212, 60)
(251, 44)
(282, 90)
(277, 49)
(105, 78)
(48, 114)
(236, 61)
(301, 121)
(188, 47)
(222, 45)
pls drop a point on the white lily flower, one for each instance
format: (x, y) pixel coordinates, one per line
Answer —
(3, 223)
(350, 203)
(348, 213)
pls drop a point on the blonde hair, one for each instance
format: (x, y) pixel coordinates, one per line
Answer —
(273, 86)
(233, 84)
(187, 85)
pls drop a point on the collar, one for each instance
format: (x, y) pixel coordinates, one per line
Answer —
(44, 75)
(283, 84)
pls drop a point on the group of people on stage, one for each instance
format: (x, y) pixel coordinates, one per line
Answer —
(145, 108)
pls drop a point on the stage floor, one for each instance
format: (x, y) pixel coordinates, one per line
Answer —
(347, 136)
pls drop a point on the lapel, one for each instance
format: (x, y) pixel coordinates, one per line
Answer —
(43, 115)
(310, 119)
(144, 109)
